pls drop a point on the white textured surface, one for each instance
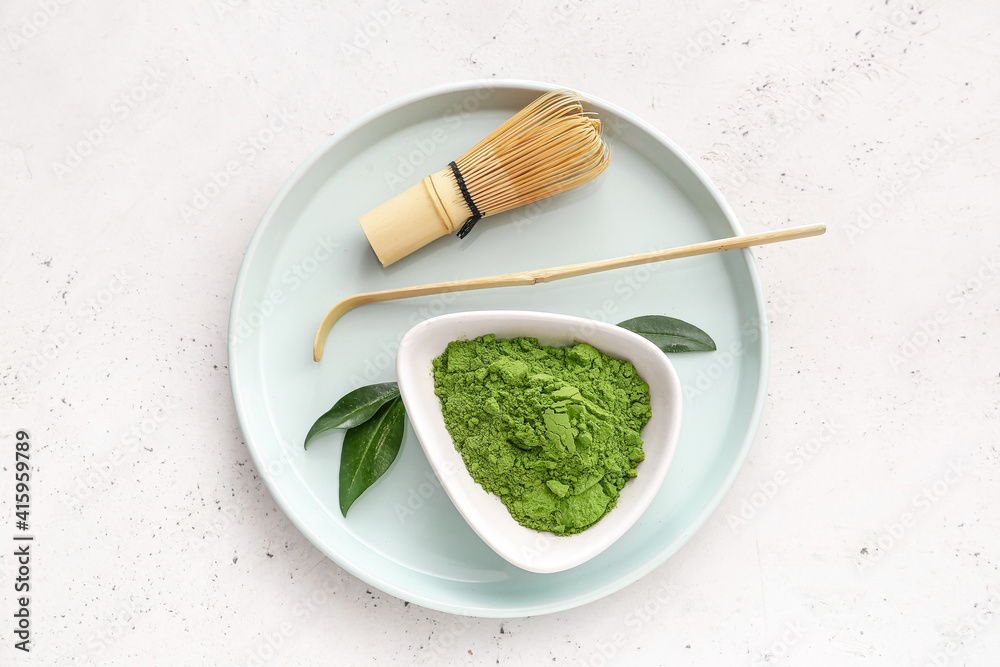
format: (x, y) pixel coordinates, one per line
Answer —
(886, 352)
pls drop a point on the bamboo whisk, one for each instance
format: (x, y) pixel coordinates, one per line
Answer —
(548, 147)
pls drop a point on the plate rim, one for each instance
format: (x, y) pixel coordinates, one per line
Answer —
(566, 602)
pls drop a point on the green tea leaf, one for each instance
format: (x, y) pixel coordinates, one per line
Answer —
(369, 450)
(670, 334)
(354, 409)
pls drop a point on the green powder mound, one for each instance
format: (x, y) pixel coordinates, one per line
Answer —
(554, 432)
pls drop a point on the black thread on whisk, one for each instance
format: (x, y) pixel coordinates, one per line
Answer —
(476, 215)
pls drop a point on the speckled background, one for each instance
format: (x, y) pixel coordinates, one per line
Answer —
(156, 541)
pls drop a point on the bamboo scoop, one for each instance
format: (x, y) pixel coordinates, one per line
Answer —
(557, 273)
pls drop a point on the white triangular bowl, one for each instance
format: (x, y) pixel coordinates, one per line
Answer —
(528, 549)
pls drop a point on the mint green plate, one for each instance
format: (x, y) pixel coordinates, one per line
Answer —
(404, 536)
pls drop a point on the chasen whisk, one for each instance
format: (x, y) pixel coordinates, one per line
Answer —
(548, 147)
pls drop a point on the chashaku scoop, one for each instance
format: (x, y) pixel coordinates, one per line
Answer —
(548, 147)
(556, 273)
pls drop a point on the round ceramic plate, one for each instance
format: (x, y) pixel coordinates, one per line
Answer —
(403, 535)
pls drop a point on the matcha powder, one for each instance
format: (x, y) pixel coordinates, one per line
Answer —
(554, 432)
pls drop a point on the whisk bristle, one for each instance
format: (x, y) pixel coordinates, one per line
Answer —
(548, 147)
